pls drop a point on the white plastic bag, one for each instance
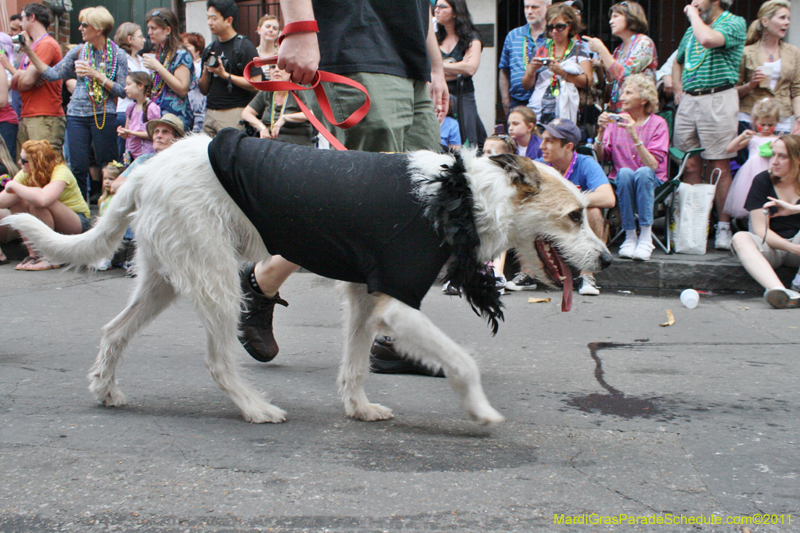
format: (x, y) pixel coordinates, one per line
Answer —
(693, 205)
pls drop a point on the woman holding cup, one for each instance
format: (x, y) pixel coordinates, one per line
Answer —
(101, 68)
(172, 66)
(770, 67)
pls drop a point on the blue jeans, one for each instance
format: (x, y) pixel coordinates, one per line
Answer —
(121, 119)
(635, 195)
(8, 132)
(84, 135)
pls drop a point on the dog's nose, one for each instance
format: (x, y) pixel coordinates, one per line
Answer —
(605, 260)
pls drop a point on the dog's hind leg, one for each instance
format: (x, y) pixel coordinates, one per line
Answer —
(415, 336)
(217, 297)
(151, 296)
(360, 329)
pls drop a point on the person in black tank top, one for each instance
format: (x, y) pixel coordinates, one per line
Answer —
(460, 44)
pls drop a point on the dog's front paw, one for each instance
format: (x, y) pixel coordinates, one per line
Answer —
(370, 412)
(266, 414)
(487, 416)
(106, 392)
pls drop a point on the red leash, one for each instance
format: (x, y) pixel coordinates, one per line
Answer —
(322, 98)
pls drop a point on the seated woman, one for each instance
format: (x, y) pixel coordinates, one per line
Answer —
(276, 115)
(774, 236)
(637, 142)
(45, 188)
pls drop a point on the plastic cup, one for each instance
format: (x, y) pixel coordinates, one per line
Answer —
(690, 298)
(767, 71)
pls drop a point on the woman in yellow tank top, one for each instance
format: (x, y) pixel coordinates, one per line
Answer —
(45, 188)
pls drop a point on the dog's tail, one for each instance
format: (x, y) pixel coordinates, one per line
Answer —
(89, 247)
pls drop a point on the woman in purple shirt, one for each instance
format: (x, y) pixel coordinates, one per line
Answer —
(636, 141)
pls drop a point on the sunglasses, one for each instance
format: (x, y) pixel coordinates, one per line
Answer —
(557, 27)
(22, 161)
(157, 13)
(621, 4)
(83, 25)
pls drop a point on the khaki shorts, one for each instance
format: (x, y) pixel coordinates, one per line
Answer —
(219, 119)
(776, 258)
(400, 117)
(709, 121)
(41, 128)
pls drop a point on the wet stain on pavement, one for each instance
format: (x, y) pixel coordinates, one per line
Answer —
(615, 402)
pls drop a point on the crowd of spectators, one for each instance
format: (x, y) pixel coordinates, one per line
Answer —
(730, 90)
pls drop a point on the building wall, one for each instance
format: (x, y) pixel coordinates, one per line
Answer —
(485, 79)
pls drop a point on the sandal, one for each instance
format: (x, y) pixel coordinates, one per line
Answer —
(4, 260)
(28, 260)
(41, 264)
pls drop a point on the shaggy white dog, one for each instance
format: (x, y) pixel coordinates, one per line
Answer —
(191, 239)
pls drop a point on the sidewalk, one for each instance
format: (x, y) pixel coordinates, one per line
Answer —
(717, 270)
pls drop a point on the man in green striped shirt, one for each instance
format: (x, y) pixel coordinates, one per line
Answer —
(704, 74)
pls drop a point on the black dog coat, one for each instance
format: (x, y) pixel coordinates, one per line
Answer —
(351, 216)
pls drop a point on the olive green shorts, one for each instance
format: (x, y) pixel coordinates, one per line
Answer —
(400, 117)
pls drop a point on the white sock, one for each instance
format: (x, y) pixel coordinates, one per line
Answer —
(796, 280)
(723, 225)
(630, 235)
(646, 234)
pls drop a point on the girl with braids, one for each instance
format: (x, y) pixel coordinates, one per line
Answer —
(172, 66)
(138, 88)
(101, 68)
(460, 44)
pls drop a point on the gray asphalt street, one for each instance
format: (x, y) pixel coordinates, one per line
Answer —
(609, 415)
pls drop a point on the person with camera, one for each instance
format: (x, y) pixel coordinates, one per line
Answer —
(224, 60)
(637, 142)
(42, 116)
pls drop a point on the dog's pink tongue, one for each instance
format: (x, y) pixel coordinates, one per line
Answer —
(566, 298)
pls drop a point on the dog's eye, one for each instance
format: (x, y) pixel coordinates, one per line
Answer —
(576, 216)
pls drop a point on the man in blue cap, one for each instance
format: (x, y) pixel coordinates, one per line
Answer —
(559, 141)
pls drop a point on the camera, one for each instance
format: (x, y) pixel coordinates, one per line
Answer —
(212, 61)
(617, 119)
(546, 61)
(18, 39)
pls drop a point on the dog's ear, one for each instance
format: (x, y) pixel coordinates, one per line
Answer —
(521, 171)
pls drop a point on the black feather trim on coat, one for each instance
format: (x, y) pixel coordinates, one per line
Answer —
(451, 210)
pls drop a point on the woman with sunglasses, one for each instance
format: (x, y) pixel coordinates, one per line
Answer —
(636, 54)
(561, 67)
(46, 189)
(172, 66)
(460, 44)
(101, 68)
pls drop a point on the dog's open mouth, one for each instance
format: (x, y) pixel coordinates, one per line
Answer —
(556, 269)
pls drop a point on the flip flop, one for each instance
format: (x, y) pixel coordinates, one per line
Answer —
(28, 260)
(41, 264)
(4, 260)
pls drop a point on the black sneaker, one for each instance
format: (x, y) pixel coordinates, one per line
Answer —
(384, 360)
(521, 282)
(256, 321)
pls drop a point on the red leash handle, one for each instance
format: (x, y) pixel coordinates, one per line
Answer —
(319, 91)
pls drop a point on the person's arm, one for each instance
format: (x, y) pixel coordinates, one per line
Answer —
(4, 100)
(204, 81)
(249, 115)
(677, 82)
(795, 90)
(703, 34)
(531, 73)
(599, 142)
(35, 196)
(299, 52)
(602, 197)
(438, 86)
(740, 141)
(784, 208)
(758, 220)
(6, 63)
(467, 66)
(504, 84)
(178, 81)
